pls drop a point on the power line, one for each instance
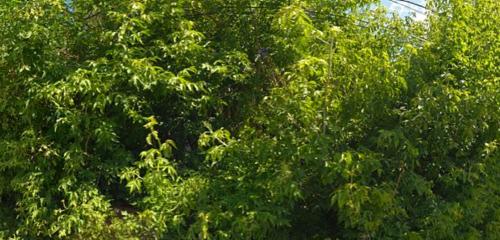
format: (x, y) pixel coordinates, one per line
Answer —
(413, 3)
(417, 5)
(409, 7)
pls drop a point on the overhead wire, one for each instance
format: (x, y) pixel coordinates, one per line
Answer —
(423, 7)
(413, 3)
(409, 7)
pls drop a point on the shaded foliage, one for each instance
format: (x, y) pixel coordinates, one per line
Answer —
(246, 119)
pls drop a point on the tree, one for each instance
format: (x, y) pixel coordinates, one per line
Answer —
(248, 119)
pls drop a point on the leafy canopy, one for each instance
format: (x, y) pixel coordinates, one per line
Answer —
(247, 119)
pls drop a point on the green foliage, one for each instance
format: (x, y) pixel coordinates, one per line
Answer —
(246, 119)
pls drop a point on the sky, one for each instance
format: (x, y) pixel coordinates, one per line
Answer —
(406, 11)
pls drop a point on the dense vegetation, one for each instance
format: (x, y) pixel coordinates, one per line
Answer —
(248, 119)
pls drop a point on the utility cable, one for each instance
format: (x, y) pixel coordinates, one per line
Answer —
(409, 7)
